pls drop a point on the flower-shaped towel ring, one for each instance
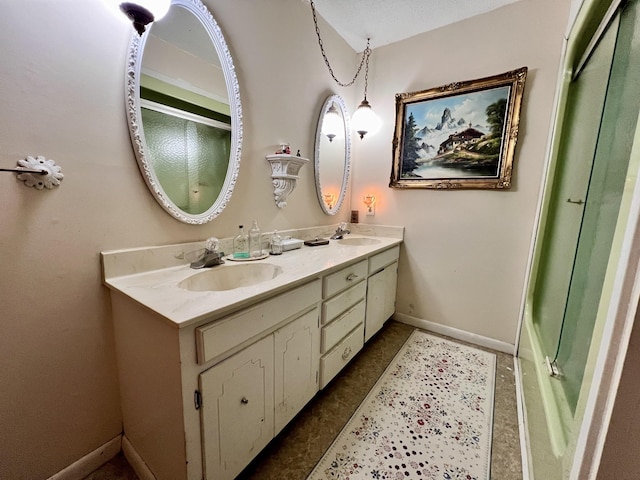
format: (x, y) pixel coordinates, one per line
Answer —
(49, 177)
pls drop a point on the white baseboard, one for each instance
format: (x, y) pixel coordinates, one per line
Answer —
(90, 462)
(135, 460)
(462, 335)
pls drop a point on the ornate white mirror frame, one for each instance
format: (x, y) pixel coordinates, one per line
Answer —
(332, 162)
(134, 115)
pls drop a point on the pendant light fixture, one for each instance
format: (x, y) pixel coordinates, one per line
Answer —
(142, 12)
(364, 119)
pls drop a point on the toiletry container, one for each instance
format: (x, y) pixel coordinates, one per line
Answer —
(241, 244)
(276, 243)
(255, 241)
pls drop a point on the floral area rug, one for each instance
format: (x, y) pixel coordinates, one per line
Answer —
(429, 417)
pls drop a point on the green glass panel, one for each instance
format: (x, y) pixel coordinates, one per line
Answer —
(558, 244)
(189, 159)
(603, 201)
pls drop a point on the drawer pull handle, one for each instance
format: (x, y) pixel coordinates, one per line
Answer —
(351, 276)
(244, 400)
(346, 353)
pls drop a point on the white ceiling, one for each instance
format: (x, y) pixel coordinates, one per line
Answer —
(389, 21)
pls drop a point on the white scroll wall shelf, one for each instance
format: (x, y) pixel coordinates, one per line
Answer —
(284, 174)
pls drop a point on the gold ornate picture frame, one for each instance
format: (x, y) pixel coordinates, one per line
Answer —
(461, 135)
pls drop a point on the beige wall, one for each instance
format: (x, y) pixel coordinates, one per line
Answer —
(62, 96)
(466, 251)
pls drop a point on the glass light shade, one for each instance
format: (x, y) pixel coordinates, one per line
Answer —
(332, 123)
(141, 12)
(158, 8)
(365, 120)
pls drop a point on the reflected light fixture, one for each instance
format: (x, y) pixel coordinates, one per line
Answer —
(143, 12)
(364, 119)
(369, 200)
(332, 123)
(329, 199)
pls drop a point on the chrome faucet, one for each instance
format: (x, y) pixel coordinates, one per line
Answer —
(340, 232)
(211, 256)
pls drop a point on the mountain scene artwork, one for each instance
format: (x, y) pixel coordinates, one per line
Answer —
(458, 136)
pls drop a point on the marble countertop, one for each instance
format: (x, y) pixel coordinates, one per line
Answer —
(151, 276)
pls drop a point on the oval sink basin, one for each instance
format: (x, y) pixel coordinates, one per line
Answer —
(223, 278)
(358, 241)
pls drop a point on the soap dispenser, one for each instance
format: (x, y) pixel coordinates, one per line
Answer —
(241, 244)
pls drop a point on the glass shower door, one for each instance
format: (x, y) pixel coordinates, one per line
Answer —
(570, 184)
(605, 189)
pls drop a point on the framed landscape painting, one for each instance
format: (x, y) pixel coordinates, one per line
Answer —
(461, 135)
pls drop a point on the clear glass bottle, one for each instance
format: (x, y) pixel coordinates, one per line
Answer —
(276, 243)
(255, 240)
(241, 244)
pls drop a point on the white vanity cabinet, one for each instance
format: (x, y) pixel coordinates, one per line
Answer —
(296, 354)
(237, 409)
(208, 378)
(200, 402)
(249, 397)
(343, 314)
(381, 290)
(357, 300)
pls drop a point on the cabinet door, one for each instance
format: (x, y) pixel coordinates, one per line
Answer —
(297, 352)
(237, 410)
(381, 299)
(391, 286)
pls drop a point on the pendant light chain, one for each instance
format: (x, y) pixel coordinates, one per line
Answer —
(365, 56)
(364, 119)
(366, 71)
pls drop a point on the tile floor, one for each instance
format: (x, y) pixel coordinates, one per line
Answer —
(294, 452)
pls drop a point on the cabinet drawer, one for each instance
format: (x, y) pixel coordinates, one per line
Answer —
(344, 278)
(376, 262)
(342, 302)
(342, 354)
(336, 330)
(218, 337)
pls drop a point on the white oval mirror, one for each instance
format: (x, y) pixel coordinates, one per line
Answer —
(184, 111)
(332, 155)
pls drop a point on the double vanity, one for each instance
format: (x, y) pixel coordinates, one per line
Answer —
(214, 363)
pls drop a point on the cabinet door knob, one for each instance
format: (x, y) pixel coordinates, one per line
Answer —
(244, 400)
(351, 276)
(346, 353)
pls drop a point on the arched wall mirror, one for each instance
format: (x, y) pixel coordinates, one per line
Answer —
(184, 112)
(332, 155)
